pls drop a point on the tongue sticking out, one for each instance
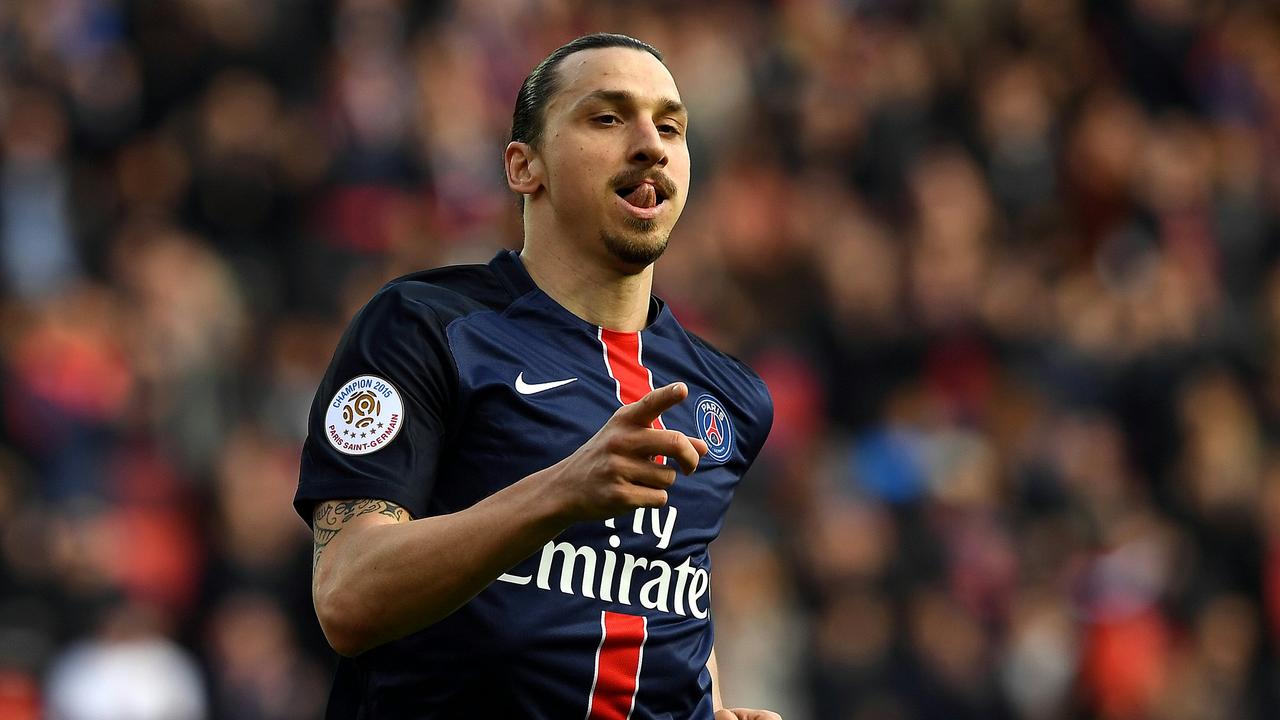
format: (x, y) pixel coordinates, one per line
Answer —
(643, 196)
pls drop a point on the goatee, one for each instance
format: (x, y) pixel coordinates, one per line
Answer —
(640, 251)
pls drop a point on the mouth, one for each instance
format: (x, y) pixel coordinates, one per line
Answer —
(647, 195)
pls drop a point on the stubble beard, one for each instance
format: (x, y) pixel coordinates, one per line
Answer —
(642, 248)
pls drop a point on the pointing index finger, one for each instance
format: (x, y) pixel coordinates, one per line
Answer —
(647, 409)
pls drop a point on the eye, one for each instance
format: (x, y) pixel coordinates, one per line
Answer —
(608, 119)
(669, 129)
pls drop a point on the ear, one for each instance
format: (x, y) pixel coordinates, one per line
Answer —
(524, 168)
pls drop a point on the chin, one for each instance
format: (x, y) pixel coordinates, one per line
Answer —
(641, 249)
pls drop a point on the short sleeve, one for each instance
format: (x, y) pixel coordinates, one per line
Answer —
(379, 419)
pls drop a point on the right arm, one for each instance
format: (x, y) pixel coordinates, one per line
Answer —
(379, 575)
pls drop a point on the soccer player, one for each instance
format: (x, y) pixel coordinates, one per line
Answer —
(514, 470)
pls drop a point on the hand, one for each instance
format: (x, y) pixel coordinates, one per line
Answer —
(614, 472)
(745, 714)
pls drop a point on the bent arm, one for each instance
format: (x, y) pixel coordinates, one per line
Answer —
(378, 575)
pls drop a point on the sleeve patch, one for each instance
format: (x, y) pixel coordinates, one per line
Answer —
(364, 416)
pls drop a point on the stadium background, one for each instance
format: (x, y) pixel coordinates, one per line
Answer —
(1009, 267)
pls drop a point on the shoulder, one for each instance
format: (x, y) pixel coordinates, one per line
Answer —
(446, 293)
(402, 331)
(731, 370)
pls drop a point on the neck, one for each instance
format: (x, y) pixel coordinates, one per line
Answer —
(597, 293)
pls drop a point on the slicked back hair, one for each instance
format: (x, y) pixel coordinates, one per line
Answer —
(530, 117)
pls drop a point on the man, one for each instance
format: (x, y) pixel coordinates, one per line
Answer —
(491, 475)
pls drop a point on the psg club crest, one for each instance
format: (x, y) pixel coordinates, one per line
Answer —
(364, 415)
(714, 427)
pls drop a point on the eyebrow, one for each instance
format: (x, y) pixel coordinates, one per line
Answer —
(666, 106)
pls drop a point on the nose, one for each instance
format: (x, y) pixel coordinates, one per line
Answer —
(648, 148)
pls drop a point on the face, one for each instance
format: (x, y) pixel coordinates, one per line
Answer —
(614, 164)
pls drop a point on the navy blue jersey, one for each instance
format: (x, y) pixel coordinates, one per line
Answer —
(450, 385)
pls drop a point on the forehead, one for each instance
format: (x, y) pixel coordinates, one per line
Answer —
(616, 68)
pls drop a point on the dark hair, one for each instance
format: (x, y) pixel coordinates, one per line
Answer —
(530, 116)
(529, 119)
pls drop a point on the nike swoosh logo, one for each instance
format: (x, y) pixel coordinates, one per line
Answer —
(525, 388)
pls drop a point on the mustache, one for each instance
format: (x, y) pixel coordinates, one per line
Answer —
(632, 178)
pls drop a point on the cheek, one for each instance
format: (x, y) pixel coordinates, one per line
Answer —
(681, 177)
(678, 166)
(573, 163)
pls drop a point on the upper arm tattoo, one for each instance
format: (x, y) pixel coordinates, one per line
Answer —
(329, 517)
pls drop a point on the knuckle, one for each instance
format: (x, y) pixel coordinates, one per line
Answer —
(618, 497)
(613, 466)
(614, 442)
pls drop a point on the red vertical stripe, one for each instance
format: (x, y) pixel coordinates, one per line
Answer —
(623, 351)
(613, 693)
(622, 358)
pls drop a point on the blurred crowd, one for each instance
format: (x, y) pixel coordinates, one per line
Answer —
(1011, 269)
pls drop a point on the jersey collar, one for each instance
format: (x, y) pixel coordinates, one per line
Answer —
(511, 272)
